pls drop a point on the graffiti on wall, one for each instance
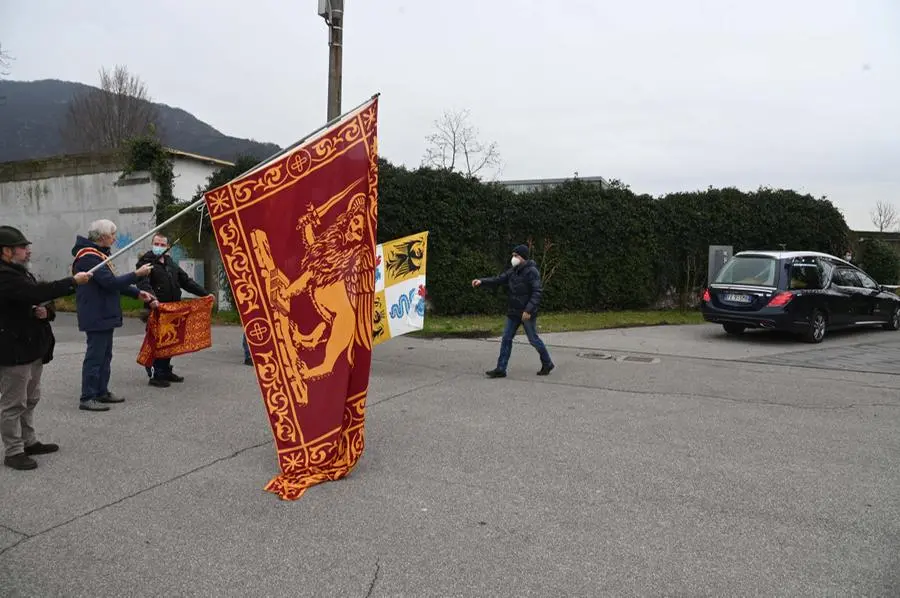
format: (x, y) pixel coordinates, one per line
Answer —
(123, 238)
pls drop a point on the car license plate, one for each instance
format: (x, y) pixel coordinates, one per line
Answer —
(732, 298)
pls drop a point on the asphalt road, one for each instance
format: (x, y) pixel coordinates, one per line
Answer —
(708, 466)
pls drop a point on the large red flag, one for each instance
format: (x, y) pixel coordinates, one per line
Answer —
(297, 239)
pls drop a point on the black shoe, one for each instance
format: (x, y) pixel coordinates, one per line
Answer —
(21, 462)
(495, 373)
(39, 448)
(248, 361)
(159, 383)
(546, 369)
(93, 405)
(111, 398)
(172, 377)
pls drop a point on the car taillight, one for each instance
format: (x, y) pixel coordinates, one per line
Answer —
(781, 299)
(706, 296)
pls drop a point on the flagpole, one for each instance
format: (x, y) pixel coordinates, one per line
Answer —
(328, 124)
(201, 200)
(147, 234)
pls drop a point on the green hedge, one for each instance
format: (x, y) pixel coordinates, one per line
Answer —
(688, 223)
(880, 261)
(597, 248)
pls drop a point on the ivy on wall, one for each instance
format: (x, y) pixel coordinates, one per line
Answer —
(148, 154)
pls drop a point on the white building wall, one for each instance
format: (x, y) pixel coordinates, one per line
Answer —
(52, 211)
(190, 174)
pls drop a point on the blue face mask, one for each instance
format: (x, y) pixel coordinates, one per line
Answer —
(157, 250)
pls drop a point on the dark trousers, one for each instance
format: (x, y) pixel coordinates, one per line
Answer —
(509, 333)
(162, 367)
(95, 370)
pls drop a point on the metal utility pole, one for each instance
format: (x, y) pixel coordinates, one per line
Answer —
(333, 13)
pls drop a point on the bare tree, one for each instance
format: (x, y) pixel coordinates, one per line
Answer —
(5, 60)
(455, 146)
(885, 216)
(106, 118)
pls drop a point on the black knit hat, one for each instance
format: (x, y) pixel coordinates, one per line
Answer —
(521, 251)
(12, 237)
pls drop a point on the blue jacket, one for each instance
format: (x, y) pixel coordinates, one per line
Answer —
(99, 301)
(525, 288)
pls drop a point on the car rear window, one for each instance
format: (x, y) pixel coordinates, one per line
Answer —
(807, 273)
(758, 271)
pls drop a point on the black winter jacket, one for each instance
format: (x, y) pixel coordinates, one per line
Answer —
(23, 337)
(525, 288)
(167, 279)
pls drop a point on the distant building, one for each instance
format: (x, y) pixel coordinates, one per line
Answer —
(528, 185)
(54, 199)
(191, 171)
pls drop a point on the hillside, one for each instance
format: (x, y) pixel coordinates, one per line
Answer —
(32, 113)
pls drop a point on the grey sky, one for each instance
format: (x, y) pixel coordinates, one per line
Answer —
(664, 95)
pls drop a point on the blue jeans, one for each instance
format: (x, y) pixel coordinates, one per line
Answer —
(95, 370)
(509, 332)
(246, 347)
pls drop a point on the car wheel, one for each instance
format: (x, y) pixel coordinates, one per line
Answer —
(733, 328)
(818, 324)
(894, 322)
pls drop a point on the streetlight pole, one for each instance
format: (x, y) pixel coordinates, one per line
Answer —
(333, 13)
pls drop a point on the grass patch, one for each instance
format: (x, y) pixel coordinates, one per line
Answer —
(65, 303)
(479, 326)
(227, 318)
(131, 308)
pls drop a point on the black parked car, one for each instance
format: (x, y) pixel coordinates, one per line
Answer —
(798, 291)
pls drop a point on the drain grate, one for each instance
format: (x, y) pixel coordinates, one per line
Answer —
(638, 359)
(595, 355)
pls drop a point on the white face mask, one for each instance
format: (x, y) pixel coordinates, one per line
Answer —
(515, 261)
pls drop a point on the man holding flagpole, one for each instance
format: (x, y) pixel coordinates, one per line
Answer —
(165, 282)
(100, 311)
(26, 345)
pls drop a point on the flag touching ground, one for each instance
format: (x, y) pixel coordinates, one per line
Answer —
(400, 287)
(297, 240)
(177, 328)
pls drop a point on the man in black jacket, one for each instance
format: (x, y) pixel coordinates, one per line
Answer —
(165, 282)
(525, 289)
(26, 344)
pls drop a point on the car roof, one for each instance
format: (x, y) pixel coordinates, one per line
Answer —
(790, 255)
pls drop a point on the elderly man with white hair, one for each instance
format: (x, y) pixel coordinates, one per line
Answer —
(100, 310)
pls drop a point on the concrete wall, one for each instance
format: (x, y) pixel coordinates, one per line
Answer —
(54, 200)
(52, 211)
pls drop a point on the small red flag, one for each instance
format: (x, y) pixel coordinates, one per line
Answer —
(177, 328)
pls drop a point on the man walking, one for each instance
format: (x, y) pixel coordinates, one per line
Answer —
(100, 311)
(165, 282)
(525, 289)
(26, 344)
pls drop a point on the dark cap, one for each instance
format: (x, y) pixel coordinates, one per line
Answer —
(521, 251)
(12, 237)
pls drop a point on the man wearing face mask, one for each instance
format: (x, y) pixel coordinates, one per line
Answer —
(525, 289)
(165, 282)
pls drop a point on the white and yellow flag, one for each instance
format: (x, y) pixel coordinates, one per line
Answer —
(400, 287)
